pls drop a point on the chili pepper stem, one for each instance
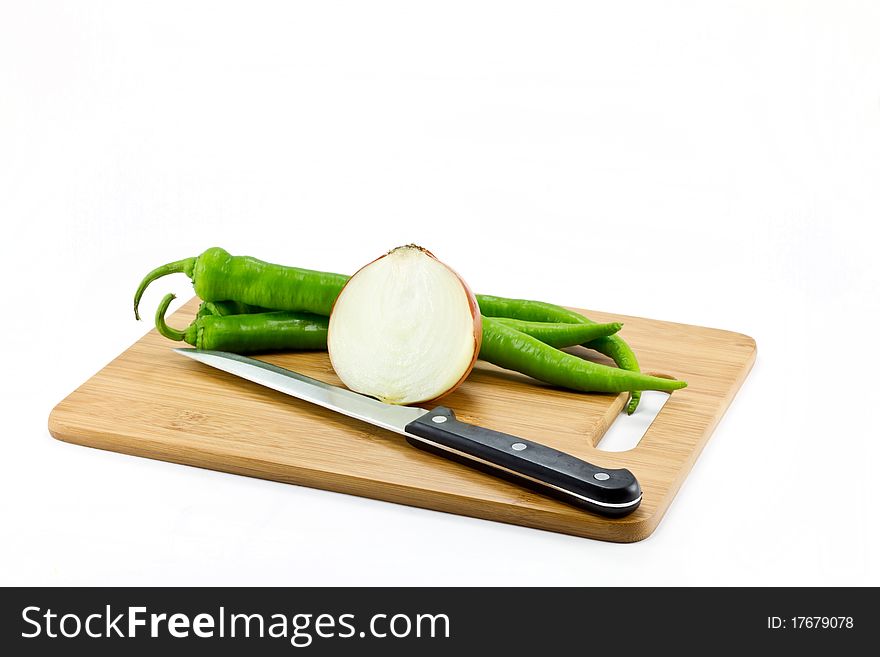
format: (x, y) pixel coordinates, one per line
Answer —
(633, 404)
(161, 326)
(184, 266)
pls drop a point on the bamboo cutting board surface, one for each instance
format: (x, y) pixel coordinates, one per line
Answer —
(152, 402)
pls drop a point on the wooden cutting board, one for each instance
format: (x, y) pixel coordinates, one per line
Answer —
(152, 402)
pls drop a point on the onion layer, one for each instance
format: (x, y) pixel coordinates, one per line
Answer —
(405, 328)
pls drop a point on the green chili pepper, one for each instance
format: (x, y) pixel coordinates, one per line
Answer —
(612, 346)
(259, 332)
(514, 350)
(218, 276)
(554, 334)
(559, 334)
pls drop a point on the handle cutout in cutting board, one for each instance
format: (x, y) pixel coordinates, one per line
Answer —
(627, 431)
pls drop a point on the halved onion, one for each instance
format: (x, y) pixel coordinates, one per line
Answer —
(405, 328)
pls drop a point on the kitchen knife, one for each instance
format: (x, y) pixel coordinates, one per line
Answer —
(609, 492)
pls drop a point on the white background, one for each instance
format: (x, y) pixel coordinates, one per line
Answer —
(703, 162)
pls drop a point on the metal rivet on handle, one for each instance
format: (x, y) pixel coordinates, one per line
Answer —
(518, 447)
(439, 419)
(602, 476)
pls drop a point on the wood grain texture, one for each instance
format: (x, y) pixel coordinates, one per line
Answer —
(152, 402)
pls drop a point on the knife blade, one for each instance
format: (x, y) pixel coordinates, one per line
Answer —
(606, 491)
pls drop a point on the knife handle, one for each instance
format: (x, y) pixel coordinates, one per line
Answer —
(609, 492)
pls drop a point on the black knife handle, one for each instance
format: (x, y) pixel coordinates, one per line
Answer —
(605, 491)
